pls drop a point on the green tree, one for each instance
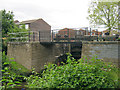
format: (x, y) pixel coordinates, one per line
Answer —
(8, 26)
(7, 22)
(103, 13)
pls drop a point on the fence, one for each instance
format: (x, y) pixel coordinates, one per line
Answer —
(60, 36)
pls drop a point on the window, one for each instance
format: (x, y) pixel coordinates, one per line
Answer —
(26, 26)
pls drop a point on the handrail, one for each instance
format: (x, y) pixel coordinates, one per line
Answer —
(51, 36)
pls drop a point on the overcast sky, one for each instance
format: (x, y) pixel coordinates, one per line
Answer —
(57, 13)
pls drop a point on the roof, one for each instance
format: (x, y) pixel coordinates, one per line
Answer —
(16, 22)
(65, 29)
(94, 31)
(82, 30)
(105, 31)
(29, 21)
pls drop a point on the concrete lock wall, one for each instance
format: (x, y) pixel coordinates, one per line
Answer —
(21, 52)
(108, 51)
(36, 55)
(44, 54)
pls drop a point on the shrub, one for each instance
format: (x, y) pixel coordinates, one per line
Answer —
(11, 78)
(75, 74)
(14, 66)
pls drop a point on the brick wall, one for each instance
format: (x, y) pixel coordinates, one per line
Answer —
(40, 25)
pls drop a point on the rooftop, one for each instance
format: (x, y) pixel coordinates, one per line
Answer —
(29, 21)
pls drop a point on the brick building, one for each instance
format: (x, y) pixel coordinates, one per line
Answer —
(38, 27)
(66, 32)
(71, 33)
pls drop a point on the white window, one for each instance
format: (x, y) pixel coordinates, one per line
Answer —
(26, 26)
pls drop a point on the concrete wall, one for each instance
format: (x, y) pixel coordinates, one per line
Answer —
(36, 55)
(108, 51)
(44, 54)
(21, 52)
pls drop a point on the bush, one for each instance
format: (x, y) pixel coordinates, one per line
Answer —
(15, 68)
(11, 77)
(9, 80)
(75, 74)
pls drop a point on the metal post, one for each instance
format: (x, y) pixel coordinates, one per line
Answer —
(52, 36)
(68, 34)
(90, 31)
(75, 35)
(97, 34)
(33, 36)
(90, 34)
(29, 35)
(86, 30)
(39, 36)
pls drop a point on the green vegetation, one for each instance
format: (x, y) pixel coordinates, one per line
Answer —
(7, 22)
(103, 13)
(8, 27)
(84, 73)
(12, 73)
(14, 66)
(76, 74)
(18, 34)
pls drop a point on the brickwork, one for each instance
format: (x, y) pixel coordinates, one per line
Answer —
(40, 25)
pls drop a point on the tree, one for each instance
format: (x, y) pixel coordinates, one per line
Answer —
(103, 13)
(8, 26)
(7, 22)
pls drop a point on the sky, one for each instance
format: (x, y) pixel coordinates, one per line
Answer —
(57, 13)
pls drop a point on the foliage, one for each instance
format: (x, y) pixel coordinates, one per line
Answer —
(12, 73)
(104, 13)
(76, 74)
(8, 26)
(18, 34)
(14, 67)
(9, 80)
(7, 22)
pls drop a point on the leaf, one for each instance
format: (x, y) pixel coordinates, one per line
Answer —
(6, 63)
(18, 85)
(17, 82)
(13, 62)
(10, 84)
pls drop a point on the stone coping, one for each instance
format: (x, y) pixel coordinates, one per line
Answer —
(83, 42)
(100, 42)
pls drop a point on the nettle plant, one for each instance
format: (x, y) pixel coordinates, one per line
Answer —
(75, 74)
(9, 79)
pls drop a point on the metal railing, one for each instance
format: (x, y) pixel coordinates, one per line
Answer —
(59, 36)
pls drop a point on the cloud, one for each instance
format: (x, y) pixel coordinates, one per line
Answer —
(58, 13)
